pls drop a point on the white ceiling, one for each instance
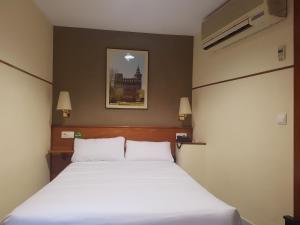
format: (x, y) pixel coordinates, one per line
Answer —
(180, 17)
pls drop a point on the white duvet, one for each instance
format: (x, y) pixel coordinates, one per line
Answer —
(123, 193)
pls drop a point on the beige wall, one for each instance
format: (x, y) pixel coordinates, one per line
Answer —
(248, 160)
(26, 37)
(25, 115)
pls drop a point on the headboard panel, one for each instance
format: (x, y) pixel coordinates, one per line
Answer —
(132, 133)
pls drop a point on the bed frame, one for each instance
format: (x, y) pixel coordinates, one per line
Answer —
(62, 149)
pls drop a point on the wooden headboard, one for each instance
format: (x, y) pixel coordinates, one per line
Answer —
(133, 133)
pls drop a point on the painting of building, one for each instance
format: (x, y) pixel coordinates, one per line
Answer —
(127, 73)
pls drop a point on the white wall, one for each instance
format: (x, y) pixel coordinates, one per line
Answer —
(248, 160)
(25, 113)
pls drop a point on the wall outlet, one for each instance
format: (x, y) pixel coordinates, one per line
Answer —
(67, 134)
(282, 118)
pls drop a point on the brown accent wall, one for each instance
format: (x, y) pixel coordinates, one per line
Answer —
(80, 67)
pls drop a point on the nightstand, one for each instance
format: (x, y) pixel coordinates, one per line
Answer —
(59, 160)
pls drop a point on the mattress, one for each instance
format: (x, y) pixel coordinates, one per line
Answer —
(123, 193)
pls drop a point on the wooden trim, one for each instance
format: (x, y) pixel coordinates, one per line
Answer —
(58, 152)
(243, 77)
(133, 133)
(297, 110)
(99, 126)
(24, 71)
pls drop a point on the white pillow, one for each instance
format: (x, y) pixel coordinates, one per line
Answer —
(99, 149)
(148, 151)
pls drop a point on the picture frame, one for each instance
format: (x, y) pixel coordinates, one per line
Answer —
(126, 79)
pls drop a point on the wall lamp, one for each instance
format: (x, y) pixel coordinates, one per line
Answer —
(184, 108)
(64, 103)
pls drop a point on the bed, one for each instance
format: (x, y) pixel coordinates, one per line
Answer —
(123, 193)
(144, 186)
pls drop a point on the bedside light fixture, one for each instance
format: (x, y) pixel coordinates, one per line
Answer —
(184, 108)
(64, 103)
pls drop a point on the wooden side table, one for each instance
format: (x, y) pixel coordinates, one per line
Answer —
(59, 160)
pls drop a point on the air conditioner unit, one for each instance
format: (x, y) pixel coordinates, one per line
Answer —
(237, 19)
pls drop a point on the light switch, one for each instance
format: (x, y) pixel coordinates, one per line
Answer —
(67, 134)
(282, 118)
(281, 53)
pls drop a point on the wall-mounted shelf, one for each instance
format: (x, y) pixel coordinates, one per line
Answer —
(59, 152)
(179, 144)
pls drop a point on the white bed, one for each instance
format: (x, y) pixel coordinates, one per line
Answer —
(123, 193)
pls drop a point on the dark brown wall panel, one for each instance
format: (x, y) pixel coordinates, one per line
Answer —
(297, 111)
(80, 67)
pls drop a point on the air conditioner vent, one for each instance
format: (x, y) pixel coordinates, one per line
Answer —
(237, 19)
(228, 34)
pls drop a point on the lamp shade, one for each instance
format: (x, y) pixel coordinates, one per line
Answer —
(64, 102)
(185, 107)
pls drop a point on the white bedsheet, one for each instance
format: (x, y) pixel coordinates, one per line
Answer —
(123, 193)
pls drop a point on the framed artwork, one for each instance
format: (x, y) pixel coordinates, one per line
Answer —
(127, 79)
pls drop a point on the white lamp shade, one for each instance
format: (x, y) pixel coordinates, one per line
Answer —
(185, 107)
(64, 101)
